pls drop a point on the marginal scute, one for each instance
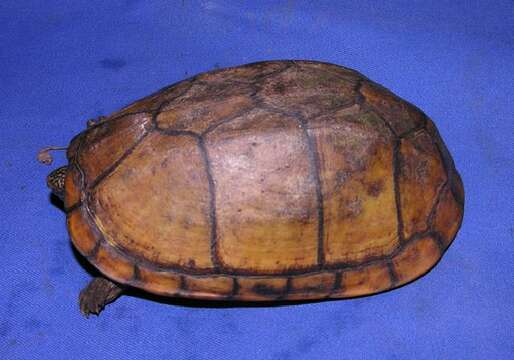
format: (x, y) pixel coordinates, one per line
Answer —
(73, 147)
(416, 258)
(110, 261)
(104, 145)
(158, 282)
(448, 217)
(455, 180)
(421, 177)
(364, 280)
(457, 188)
(436, 136)
(72, 187)
(311, 286)
(209, 287)
(83, 233)
(271, 288)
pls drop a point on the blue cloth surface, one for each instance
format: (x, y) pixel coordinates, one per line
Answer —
(63, 62)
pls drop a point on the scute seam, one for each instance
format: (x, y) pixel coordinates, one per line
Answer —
(315, 174)
(397, 158)
(118, 162)
(215, 256)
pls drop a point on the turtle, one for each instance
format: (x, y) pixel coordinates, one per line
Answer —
(279, 180)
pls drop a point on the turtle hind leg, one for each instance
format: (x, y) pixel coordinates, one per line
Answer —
(98, 293)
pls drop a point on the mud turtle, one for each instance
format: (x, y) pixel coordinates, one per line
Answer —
(279, 180)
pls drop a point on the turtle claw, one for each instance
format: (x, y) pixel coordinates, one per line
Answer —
(98, 293)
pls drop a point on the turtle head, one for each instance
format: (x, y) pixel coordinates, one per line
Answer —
(55, 181)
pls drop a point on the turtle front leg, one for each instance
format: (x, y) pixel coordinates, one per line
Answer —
(98, 293)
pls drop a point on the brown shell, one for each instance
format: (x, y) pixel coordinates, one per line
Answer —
(273, 180)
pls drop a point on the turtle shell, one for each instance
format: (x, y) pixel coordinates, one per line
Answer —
(273, 180)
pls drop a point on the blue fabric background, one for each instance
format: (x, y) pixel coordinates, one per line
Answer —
(63, 62)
